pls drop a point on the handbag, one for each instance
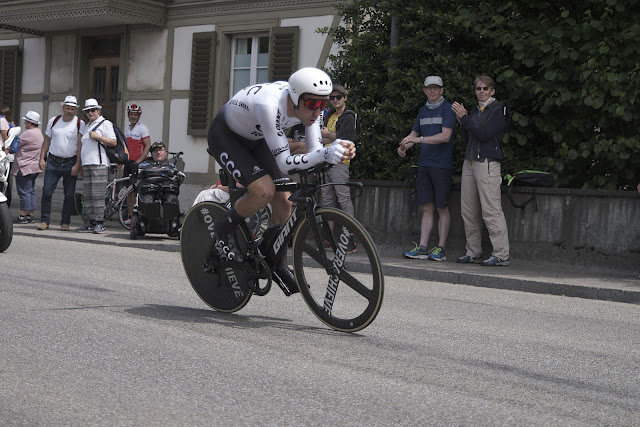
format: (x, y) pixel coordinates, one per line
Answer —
(15, 144)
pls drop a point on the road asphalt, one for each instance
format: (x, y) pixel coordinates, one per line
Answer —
(521, 275)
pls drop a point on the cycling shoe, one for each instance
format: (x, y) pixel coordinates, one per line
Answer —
(227, 248)
(289, 280)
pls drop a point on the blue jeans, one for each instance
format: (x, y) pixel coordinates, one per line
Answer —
(52, 174)
(26, 188)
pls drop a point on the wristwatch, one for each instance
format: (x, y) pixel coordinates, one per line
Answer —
(421, 139)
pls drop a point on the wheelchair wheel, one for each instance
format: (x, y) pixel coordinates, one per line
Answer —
(223, 289)
(134, 230)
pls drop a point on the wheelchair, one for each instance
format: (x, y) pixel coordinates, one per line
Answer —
(156, 209)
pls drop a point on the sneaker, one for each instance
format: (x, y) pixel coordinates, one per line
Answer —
(437, 254)
(226, 247)
(86, 229)
(417, 253)
(494, 260)
(64, 227)
(468, 259)
(127, 221)
(23, 219)
(289, 280)
(98, 229)
(351, 246)
(43, 226)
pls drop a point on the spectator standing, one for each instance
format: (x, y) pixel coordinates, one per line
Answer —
(26, 166)
(95, 163)
(339, 123)
(481, 197)
(434, 130)
(61, 151)
(138, 142)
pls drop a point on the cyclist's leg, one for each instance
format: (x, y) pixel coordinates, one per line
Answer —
(349, 296)
(248, 162)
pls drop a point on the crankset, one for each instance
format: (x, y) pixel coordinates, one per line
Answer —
(258, 269)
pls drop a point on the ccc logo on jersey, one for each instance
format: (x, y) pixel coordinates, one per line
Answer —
(229, 165)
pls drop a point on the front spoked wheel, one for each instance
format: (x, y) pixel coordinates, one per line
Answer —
(345, 288)
(222, 288)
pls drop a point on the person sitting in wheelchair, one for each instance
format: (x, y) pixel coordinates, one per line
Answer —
(158, 190)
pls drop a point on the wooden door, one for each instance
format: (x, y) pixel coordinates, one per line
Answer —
(103, 84)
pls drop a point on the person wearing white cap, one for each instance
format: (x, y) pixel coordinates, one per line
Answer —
(61, 151)
(26, 168)
(96, 134)
(434, 130)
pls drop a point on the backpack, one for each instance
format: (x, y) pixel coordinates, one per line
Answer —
(118, 154)
(59, 117)
(527, 178)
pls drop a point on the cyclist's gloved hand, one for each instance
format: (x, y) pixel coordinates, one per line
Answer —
(333, 153)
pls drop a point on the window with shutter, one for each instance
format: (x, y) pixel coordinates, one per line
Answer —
(9, 77)
(203, 57)
(283, 51)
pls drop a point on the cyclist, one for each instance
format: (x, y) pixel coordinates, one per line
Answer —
(247, 139)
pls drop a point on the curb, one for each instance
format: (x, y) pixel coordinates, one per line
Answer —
(400, 268)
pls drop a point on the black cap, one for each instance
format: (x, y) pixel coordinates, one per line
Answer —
(156, 145)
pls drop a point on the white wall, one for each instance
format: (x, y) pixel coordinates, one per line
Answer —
(147, 59)
(63, 55)
(195, 148)
(183, 37)
(311, 42)
(32, 66)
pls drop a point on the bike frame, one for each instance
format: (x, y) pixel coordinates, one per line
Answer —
(303, 195)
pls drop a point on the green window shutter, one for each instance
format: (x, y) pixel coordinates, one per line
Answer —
(203, 60)
(283, 52)
(10, 78)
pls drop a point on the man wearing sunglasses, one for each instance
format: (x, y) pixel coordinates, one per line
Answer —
(247, 139)
(339, 123)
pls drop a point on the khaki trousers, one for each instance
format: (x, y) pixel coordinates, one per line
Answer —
(480, 194)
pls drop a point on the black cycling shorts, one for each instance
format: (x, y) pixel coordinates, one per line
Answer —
(244, 159)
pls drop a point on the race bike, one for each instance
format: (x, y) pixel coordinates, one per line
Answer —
(6, 223)
(342, 288)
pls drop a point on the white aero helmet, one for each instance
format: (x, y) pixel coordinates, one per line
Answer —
(309, 80)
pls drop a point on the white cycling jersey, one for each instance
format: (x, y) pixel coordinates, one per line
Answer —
(260, 112)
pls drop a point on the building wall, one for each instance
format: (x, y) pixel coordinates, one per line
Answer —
(155, 67)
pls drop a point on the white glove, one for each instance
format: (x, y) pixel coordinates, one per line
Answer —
(333, 153)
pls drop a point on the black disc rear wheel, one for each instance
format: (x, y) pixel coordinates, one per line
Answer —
(222, 288)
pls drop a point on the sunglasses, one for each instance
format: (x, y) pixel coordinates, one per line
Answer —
(482, 88)
(314, 104)
(333, 97)
(92, 110)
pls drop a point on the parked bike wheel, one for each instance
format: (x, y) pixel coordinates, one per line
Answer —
(225, 289)
(350, 297)
(123, 215)
(6, 227)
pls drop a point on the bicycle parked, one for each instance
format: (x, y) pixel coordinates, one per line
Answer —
(345, 295)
